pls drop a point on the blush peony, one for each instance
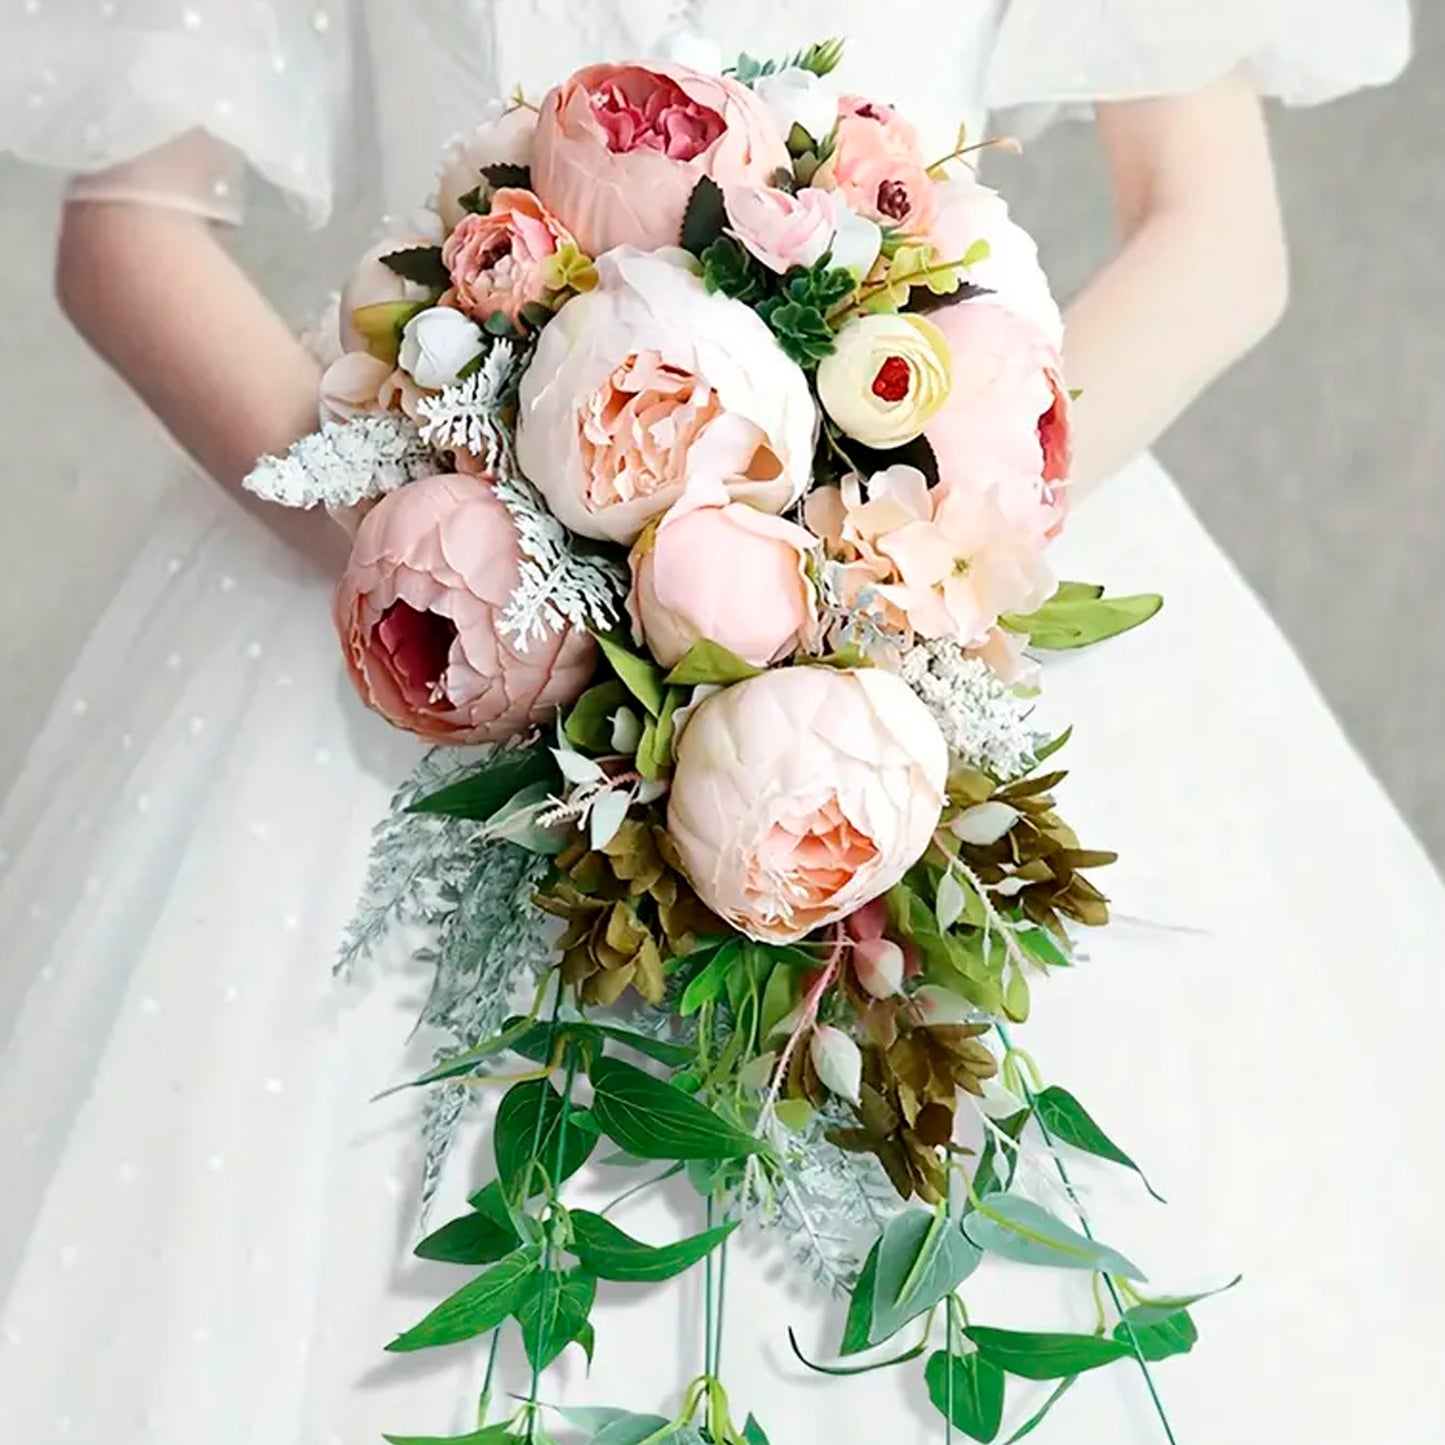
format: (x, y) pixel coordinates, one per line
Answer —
(781, 839)
(496, 261)
(432, 566)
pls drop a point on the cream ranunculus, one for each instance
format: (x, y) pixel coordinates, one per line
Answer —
(780, 838)
(650, 381)
(436, 344)
(798, 97)
(886, 378)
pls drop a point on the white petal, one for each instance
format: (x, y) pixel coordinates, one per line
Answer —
(626, 730)
(576, 768)
(857, 242)
(838, 1062)
(985, 824)
(937, 1005)
(607, 815)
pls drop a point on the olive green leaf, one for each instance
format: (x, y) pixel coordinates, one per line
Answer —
(641, 678)
(589, 724)
(710, 662)
(1061, 625)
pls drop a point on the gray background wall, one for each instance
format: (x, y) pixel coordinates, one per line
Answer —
(1319, 462)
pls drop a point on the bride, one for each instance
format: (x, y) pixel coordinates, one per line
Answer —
(204, 1225)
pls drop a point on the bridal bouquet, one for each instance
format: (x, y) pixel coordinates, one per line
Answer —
(702, 449)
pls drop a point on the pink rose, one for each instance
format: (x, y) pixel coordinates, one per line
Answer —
(620, 148)
(495, 261)
(1005, 423)
(878, 167)
(782, 230)
(725, 572)
(780, 839)
(432, 567)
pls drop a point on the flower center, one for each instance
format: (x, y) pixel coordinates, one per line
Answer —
(893, 200)
(419, 645)
(894, 379)
(869, 110)
(961, 566)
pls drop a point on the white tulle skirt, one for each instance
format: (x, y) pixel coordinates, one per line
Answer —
(205, 1224)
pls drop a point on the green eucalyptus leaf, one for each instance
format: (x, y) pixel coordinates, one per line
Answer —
(968, 1391)
(552, 1311)
(1016, 1228)
(630, 1430)
(525, 1138)
(1158, 1339)
(642, 678)
(475, 1309)
(709, 662)
(1045, 1356)
(1066, 1121)
(655, 1120)
(1152, 1311)
(1067, 623)
(922, 1259)
(611, 1253)
(495, 782)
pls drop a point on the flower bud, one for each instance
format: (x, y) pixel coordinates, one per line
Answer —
(878, 964)
(887, 377)
(436, 344)
(838, 1062)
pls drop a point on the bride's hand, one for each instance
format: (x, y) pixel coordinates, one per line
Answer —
(1200, 278)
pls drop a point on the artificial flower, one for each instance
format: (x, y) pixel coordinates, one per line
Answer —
(878, 966)
(783, 230)
(799, 97)
(436, 344)
(498, 262)
(877, 165)
(886, 377)
(838, 1061)
(505, 137)
(374, 288)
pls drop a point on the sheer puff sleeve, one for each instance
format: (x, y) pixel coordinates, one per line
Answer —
(166, 101)
(1071, 52)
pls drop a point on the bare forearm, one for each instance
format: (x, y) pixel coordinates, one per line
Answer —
(158, 297)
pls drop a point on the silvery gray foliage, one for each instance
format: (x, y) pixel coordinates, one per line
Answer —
(345, 463)
(473, 414)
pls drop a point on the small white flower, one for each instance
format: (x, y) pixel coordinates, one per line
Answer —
(798, 97)
(436, 344)
(838, 1062)
(856, 243)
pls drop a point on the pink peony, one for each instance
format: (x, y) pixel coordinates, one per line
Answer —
(725, 572)
(782, 230)
(1005, 423)
(495, 261)
(869, 127)
(620, 148)
(780, 839)
(878, 167)
(432, 567)
(939, 562)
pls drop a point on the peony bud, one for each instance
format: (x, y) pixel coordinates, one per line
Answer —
(798, 97)
(436, 344)
(838, 1062)
(878, 964)
(887, 378)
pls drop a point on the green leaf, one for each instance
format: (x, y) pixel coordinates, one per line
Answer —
(525, 1134)
(422, 264)
(1045, 1356)
(641, 678)
(476, 1308)
(481, 1237)
(610, 1253)
(710, 662)
(497, 780)
(655, 1120)
(859, 1325)
(1175, 1334)
(922, 1258)
(1016, 1228)
(589, 724)
(505, 175)
(780, 997)
(1066, 1121)
(491, 1435)
(754, 1433)
(1060, 626)
(552, 1311)
(466, 1063)
(729, 268)
(802, 331)
(1152, 1311)
(996, 1164)
(709, 983)
(705, 217)
(973, 1386)
(654, 752)
(536, 314)
(630, 1430)
(1042, 1413)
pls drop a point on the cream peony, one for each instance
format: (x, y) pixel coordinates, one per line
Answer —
(724, 572)
(780, 838)
(505, 137)
(886, 378)
(650, 381)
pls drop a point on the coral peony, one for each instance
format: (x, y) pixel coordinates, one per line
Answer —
(432, 566)
(496, 261)
(781, 839)
(878, 167)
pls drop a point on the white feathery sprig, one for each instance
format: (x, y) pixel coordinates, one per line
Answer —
(472, 414)
(344, 463)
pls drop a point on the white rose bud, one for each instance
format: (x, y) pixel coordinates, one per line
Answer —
(878, 964)
(856, 242)
(798, 97)
(886, 378)
(436, 344)
(838, 1062)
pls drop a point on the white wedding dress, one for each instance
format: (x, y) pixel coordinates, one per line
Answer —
(204, 1222)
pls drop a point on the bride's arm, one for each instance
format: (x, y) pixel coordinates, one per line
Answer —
(1200, 277)
(154, 292)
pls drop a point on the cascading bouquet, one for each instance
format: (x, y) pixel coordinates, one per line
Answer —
(702, 450)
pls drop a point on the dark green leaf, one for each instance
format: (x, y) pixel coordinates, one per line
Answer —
(526, 1133)
(505, 175)
(474, 201)
(1175, 1334)
(1066, 1121)
(539, 1042)
(466, 1063)
(859, 1326)
(536, 314)
(476, 1308)
(650, 1118)
(481, 1237)
(727, 267)
(802, 331)
(612, 1254)
(641, 678)
(1045, 1356)
(710, 662)
(1016, 1228)
(422, 264)
(969, 1391)
(589, 724)
(1060, 626)
(497, 780)
(552, 1310)
(922, 1259)
(1042, 1413)
(500, 324)
(843, 1371)
(705, 217)
(754, 1433)
(491, 1435)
